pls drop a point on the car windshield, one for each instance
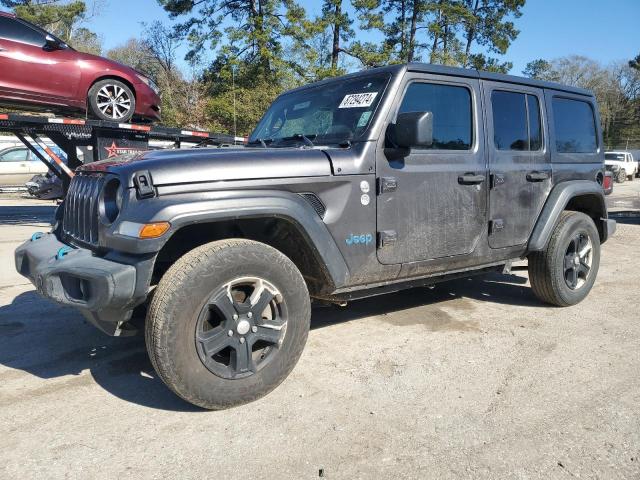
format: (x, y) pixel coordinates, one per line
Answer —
(332, 113)
(613, 156)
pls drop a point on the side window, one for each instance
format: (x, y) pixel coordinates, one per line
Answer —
(574, 125)
(12, 29)
(516, 121)
(17, 155)
(451, 109)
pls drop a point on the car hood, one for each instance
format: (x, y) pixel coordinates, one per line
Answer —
(168, 167)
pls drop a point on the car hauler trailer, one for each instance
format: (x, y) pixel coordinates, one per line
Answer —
(98, 139)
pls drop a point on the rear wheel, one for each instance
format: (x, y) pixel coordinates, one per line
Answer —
(228, 322)
(111, 100)
(565, 271)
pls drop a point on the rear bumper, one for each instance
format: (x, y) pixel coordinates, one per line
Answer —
(104, 291)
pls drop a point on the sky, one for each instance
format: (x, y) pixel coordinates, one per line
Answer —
(605, 30)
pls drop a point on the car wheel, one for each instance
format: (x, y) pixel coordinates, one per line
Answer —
(112, 100)
(228, 322)
(622, 176)
(630, 177)
(565, 271)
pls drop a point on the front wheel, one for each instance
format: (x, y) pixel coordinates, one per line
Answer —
(111, 100)
(565, 271)
(622, 176)
(228, 322)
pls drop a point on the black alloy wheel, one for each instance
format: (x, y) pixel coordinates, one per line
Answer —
(577, 261)
(241, 327)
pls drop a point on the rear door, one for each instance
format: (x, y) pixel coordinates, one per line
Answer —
(519, 161)
(432, 201)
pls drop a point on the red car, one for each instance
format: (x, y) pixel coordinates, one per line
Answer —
(40, 71)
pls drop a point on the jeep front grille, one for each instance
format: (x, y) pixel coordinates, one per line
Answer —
(80, 221)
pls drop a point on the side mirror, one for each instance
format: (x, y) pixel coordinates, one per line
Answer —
(414, 129)
(51, 43)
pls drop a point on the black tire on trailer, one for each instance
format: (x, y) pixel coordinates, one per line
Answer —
(228, 322)
(111, 100)
(564, 272)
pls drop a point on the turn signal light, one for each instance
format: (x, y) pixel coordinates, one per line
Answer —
(154, 230)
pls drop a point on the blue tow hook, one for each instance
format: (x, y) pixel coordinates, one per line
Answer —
(36, 236)
(62, 252)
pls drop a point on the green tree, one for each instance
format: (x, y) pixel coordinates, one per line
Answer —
(398, 21)
(488, 24)
(251, 31)
(338, 21)
(539, 69)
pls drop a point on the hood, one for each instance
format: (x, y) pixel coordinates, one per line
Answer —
(209, 165)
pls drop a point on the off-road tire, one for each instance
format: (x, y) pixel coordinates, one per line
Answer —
(178, 300)
(622, 176)
(92, 99)
(546, 268)
(630, 177)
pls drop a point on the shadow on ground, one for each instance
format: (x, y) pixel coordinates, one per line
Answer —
(26, 214)
(49, 341)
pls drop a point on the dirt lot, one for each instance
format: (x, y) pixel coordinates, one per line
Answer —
(470, 379)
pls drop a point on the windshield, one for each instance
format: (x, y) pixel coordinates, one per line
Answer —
(614, 156)
(333, 113)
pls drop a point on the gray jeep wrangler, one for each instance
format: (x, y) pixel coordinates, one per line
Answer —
(356, 186)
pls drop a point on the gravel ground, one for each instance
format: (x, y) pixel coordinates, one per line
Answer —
(469, 379)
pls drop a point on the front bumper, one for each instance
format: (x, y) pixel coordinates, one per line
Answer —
(104, 291)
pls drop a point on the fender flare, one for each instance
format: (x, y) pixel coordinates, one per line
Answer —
(236, 205)
(557, 202)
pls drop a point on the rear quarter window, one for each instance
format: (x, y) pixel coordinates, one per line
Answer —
(574, 125)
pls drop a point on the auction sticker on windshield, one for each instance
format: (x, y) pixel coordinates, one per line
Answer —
(358, 100)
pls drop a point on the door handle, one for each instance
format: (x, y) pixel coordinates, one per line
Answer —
(537, 176)
(470, 179)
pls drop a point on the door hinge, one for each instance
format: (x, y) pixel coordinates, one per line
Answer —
(496, 225)
(387, 184)
(497, 179)
(387, 238)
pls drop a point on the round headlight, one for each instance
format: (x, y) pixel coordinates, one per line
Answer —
(112, 197)
(119, 198)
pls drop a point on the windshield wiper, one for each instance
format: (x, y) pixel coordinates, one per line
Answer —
(298, 136)
(262, 141)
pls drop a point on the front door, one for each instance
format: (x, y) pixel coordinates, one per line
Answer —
(30, 70)
(519, 165)
(432, 201)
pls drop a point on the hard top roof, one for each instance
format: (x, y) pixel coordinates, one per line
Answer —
(460, 72)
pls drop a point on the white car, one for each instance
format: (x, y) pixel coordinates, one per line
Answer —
(627, 167)
(19, 164)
